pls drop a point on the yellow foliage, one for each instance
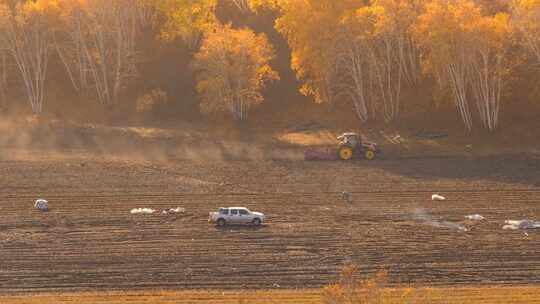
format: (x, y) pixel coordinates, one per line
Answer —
(359, 50)
(233, 67)
(442, 31)
(446, 31)
(526, 20)
(312, 28)
(186, 19)
(43, 11)
(256, 5)
(465, 49)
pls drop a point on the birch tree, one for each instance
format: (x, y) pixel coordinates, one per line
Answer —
(382, 54)
(315, 36)
(442, 32)
(71, 44)
(363, 52)
(111, 51)
(99, 49)
(233, 68)
(526, 20)
(491, 66)
(26, 32)
(355, 60)
(469, 52)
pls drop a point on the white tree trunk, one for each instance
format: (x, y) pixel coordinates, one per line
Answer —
(242, 5)
(28, 40)
(487, 86)
(101, 49)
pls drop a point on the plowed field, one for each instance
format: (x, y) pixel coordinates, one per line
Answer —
(89, 239)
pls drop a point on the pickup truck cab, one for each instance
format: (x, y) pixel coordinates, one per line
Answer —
(236, 215)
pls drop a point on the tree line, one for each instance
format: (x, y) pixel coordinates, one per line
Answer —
(364, 53)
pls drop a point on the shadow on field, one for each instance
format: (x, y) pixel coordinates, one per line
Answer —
(509, 168)
(239, 227)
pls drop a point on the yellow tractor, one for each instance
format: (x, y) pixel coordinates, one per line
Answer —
(351, 145)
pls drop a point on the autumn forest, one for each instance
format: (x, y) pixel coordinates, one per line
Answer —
(225, 57)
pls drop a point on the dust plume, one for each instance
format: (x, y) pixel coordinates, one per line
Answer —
(422, 215)
(32, 138)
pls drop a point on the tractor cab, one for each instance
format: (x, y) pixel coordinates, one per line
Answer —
(349, 139)
(351, 144)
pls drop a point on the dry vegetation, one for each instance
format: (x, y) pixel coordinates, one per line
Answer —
(480, 295)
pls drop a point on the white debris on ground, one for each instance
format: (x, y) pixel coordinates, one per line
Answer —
(142, 211)
(152, 211)
(521, 224)
(177, 210)
(437, 197)
(474, 217)
(174, 210)
(41, 204)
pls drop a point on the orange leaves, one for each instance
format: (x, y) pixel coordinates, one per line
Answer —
(312, 28)
(495, 32)
(48, 9)
(527, 4)
(186, 19)
(27, 11)
(526, 21)
(40, 6)
(233, 67)
(392, 15)
(341, 48)
(445, 29)
(468, 51)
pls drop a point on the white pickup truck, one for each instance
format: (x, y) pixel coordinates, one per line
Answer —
(236, 215)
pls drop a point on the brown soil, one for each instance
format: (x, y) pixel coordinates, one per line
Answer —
(89, 240)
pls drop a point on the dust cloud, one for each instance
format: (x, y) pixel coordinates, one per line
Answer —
(420, 214)
(32, 139)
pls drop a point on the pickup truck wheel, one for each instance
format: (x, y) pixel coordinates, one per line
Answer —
(221, 222)
(257, 222)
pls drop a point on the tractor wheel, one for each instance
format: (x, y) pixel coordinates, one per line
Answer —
(370, 155)
(345, 152)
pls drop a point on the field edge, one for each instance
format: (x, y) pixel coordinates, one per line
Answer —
(490, 294)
